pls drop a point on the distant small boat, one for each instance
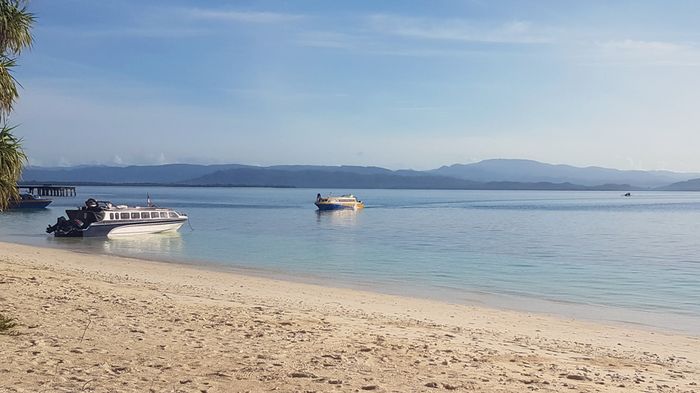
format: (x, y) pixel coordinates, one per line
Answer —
(343, 202)
(628, 194)
(29, 201)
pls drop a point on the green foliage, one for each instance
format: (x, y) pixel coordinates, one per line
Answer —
(12, 159)
(15, 35)
(8, 86)
(6, 324)
(15, 23)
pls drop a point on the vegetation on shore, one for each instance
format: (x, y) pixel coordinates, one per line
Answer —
(15, 35)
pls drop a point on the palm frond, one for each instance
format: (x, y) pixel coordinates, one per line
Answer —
(15, 35)
(15, 26)
(8, 193)
(12, 160)
(8, 86)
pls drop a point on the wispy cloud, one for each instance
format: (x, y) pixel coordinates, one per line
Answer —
(279, 94)
(240, 16)
(330, 39)
(133, 31)
(376, 44)
(644, 47)
(640, 52)
(418, 108)
(173, 22)
(515, 32)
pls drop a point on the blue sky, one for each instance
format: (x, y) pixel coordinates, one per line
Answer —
(400, 84)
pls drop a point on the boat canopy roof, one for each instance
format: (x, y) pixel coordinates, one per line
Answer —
(108, 205)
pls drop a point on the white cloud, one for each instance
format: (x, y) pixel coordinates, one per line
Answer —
(329, 39)
(649, 52)
(279, 93)
(647, 47)
(128, 30)
(373, 45)
(240, 16)
(516, 32)
(170, 22)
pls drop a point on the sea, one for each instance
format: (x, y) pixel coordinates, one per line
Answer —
(592, 255)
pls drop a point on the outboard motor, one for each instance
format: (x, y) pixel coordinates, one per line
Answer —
(66, 228)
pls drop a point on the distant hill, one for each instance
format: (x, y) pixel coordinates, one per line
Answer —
(170, 173)
(688, 185)
(266, 177)
(534, 171)
(489, 174)
(326, 178)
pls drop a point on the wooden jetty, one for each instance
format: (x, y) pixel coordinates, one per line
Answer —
(48, 190)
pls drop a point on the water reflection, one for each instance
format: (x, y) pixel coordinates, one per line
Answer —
(158, 246)
(343, 218)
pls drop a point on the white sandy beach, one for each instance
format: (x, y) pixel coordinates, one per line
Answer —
(108, 324)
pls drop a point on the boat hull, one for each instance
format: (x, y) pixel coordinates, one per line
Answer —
(120, 229)
(141, 229)
(338, 206)
(30, 204)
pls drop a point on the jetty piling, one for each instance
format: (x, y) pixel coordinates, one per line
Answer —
(49, 190)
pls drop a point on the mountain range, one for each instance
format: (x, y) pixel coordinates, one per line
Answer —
(487, 174)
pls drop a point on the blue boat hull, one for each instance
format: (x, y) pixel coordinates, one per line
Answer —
(30, 204)
(332, 206)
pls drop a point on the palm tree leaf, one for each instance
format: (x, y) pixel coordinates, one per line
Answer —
(15, 26)
(15, 35)
(12, 160)
(8, 85)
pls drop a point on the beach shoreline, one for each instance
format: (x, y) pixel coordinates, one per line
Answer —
(98, 322)
(596, 313)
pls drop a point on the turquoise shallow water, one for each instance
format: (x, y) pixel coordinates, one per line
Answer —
(593, 255)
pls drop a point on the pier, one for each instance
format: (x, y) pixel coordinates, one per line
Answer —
(48, 190)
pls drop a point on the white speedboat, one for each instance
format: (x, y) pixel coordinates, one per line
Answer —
(104, 219)
(338, 203)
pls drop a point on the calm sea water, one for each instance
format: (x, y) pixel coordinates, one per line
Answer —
(582, 254)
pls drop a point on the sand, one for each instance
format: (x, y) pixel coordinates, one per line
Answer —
(98, 323)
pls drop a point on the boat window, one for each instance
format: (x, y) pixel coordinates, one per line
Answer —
(172, 214)
(134, 216)
(154, 214)
(163, 215)
(125, 216)
(145, 215)
(111, 216)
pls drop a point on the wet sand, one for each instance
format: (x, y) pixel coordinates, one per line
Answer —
(100, 323)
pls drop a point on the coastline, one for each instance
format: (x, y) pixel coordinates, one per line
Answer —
(597, 313)
(98, 322)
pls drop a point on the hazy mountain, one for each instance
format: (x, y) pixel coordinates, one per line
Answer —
(489, 174)
(688, 185)
(170, 173)
(365, 170)
(325, 178)
(534, 171)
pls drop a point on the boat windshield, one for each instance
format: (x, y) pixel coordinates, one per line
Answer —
(105, 204)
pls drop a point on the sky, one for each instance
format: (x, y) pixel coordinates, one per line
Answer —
(398, 84)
